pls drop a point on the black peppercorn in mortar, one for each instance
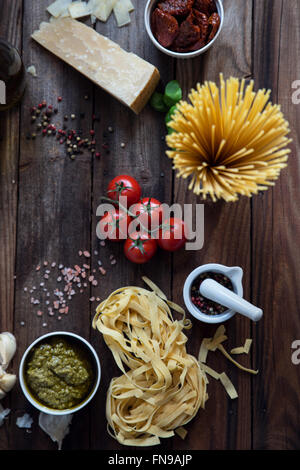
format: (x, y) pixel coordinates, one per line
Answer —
(202, 303)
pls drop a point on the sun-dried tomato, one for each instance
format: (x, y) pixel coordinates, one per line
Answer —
(164, 27)
(206, 6)
(214, 23)
(201, 20)
(176, 7)
(189, 33)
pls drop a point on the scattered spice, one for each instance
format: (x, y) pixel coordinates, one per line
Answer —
(54, 302)
(73, 139)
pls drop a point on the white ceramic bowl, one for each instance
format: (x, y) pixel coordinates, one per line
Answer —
(180, 55)
(235, 274)
(95, 363)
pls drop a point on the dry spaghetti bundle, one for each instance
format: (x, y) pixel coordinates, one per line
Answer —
(230, 140)
(162, 387)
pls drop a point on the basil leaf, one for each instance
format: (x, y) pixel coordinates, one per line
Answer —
(157, 102)
(173, 93)
(168, 118)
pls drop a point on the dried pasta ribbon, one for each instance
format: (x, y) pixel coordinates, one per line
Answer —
(161, 387)
(212, 344)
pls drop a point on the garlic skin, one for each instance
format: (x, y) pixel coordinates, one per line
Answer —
(8, 346)
(3, 414)
(57, 427)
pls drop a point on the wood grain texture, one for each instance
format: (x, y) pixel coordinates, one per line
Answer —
(225, 424)
(54, 214)
(11, 29)
(49, 213)
(276, 234)
(142, 157)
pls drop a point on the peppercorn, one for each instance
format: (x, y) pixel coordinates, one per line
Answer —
(207, 306)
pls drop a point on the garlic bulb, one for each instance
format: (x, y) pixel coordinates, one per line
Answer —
(8, 347)
(7, 381)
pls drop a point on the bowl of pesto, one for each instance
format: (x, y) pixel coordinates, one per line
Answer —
(59, 373)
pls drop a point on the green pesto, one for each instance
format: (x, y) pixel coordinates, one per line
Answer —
(59, 373)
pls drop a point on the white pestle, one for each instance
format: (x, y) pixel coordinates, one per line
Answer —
(214, 291)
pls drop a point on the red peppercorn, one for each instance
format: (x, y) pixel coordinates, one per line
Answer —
(92, 132)
(59, 99)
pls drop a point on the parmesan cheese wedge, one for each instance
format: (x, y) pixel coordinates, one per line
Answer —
(124, 75)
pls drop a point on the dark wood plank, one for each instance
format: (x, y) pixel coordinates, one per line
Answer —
(54, 216)
(10, 27)
(225, 424)
(142, 157)
(276, 232)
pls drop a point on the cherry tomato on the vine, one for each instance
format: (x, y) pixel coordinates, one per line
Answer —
(114, 225)
(125, 186)
(150, 213)
(173, 234)
(140, 248)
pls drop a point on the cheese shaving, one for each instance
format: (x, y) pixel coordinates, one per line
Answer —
(79, 9)
(58, 7)
(162, 387)
(121, 13)
(102, 9)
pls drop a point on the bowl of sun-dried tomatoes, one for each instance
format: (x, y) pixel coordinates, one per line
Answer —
(184, 28)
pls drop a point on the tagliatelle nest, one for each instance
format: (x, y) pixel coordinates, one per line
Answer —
(162, 387)
(230, 141)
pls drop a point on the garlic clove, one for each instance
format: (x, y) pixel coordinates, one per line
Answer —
(7, 381)
(2, 394)
(8, 346)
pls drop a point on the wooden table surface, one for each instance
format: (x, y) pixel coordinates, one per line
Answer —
(48, 213)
